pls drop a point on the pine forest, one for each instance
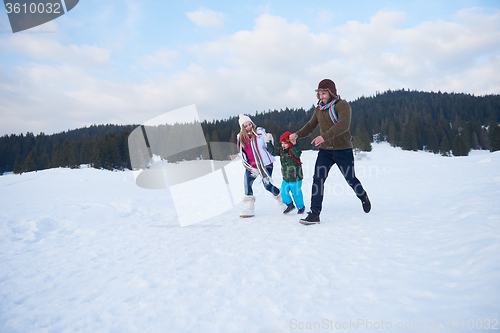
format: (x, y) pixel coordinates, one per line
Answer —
(449, 124)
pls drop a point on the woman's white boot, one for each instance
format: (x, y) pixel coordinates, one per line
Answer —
(281, 205)
(248, 210)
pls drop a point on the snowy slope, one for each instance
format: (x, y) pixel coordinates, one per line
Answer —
(89, 251)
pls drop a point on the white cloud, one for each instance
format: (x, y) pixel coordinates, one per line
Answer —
(40, 99)
(206, 18)
(274, 46)
(419, 57)
(41, 48)
(356, 39)
(276, 64)
(325, 18)
(163, 58)
(451, 45)
(134, 15)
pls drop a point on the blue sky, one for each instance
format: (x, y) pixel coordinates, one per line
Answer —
(125, 62)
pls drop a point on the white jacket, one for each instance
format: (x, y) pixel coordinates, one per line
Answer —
(267, 158)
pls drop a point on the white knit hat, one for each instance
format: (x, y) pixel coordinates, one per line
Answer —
(244, 119)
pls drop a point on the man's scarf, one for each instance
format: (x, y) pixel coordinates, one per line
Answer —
(330, 108)
(261, 169)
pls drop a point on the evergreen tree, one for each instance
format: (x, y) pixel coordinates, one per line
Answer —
(57, 156)
(86, 151)
(475, 142)
(73, 156)
(432, 144)
(124, 151)
(96, 156)
(28, 143)
(410, 139)
(30, 162)
(232, 138)
(391, 134)
(495, 137)
(18, 166)
(365, 140)
(459, 148)
(466, 136)
(357, 143)
(214, 137)
(457, 124)
(43, 161)
(110, 152)
(445, 146)
(65, 153)
(484, 139)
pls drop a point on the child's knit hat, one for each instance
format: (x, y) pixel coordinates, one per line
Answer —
(243, 119)
(285, 137)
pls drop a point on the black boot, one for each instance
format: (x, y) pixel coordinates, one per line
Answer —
(367, 206)
(289, 208)
(312, 218)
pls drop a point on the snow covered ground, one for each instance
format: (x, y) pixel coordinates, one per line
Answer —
(89, 251)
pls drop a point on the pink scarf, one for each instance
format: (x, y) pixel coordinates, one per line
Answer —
(261, 169)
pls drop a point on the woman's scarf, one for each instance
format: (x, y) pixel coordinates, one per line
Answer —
(261, 168)
(330, 108)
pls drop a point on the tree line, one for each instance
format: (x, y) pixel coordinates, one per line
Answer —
(449, 124)
(100, 146)
(442, 123)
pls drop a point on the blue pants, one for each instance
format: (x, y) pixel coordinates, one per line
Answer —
(324, 162)
(295, 188)
(249, 179)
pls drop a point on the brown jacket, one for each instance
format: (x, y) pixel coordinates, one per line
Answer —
(337, 136)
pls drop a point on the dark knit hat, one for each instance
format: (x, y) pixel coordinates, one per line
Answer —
(285, 137)
(327, 84)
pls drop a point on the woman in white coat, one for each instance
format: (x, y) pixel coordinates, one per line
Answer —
(257, 162)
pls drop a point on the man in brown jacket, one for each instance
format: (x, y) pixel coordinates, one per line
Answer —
(333, 115)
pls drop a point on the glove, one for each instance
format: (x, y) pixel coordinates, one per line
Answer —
(269, 137)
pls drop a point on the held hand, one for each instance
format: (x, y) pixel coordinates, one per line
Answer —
(269, 137)
(318, 140)
(293, 138)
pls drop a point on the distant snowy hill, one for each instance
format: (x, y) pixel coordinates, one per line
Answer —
(89, 251)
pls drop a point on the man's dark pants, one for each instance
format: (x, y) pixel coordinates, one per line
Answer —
(324, 162)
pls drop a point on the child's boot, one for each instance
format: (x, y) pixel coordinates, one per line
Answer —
(289, 208)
